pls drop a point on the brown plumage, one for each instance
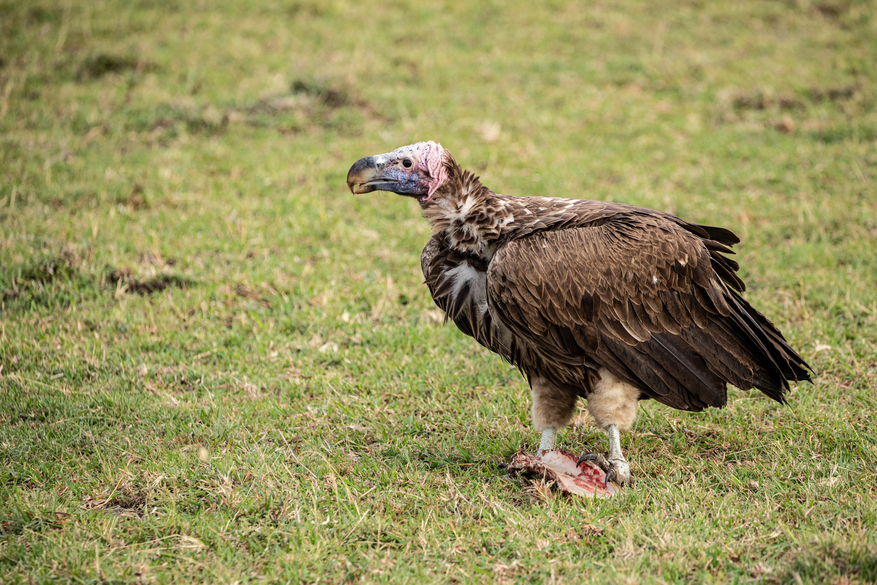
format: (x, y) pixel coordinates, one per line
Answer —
(568, 290)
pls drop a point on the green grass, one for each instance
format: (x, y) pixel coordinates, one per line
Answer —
(218, 365)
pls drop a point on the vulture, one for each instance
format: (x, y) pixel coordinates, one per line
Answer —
(589, 299)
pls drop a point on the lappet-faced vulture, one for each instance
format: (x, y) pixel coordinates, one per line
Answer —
(604, 301)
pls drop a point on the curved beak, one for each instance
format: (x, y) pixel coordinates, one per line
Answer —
(366, 176)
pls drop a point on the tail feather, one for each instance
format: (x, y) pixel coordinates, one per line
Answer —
(776, 362)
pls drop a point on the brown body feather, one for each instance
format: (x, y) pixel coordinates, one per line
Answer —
(561, 287)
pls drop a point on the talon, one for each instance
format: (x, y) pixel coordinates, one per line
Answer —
(587, 457)
(619, 472)
(597, 458)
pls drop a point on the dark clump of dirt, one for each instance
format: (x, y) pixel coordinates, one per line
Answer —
(333, 97)
(832, 8)
(136, 200)
(124, 278)
(762, 100)
(244, 291)
(157, 284)
(130, 503)
(40, 15)
(833, 94)
(96, 66)
(297, 9)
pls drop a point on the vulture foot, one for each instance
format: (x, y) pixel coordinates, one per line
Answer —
(617, 470)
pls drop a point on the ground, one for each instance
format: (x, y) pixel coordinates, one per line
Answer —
(217, 365)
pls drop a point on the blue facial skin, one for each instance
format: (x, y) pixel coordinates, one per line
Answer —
(405, 182)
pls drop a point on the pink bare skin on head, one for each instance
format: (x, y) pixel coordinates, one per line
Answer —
(430, 158)
(433, 157)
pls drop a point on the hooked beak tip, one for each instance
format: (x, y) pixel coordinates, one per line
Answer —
(360, 174)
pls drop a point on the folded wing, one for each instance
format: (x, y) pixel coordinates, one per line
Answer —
(646, 296)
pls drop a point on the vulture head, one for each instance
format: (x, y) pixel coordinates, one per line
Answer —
(417, 170)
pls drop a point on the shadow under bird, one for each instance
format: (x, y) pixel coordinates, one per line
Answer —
(604, 301)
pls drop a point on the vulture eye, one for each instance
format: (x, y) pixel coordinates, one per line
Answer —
(406, 162)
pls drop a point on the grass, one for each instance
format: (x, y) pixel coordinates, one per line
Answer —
(218, 365)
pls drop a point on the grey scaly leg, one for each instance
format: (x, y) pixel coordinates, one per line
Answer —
(620, 470)
(547, 442)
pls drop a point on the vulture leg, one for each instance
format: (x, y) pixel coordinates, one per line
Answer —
(613, 405)
(553, 408)
(619, 470)
(547, 442)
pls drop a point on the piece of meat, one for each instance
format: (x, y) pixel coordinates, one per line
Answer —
(585, 479)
